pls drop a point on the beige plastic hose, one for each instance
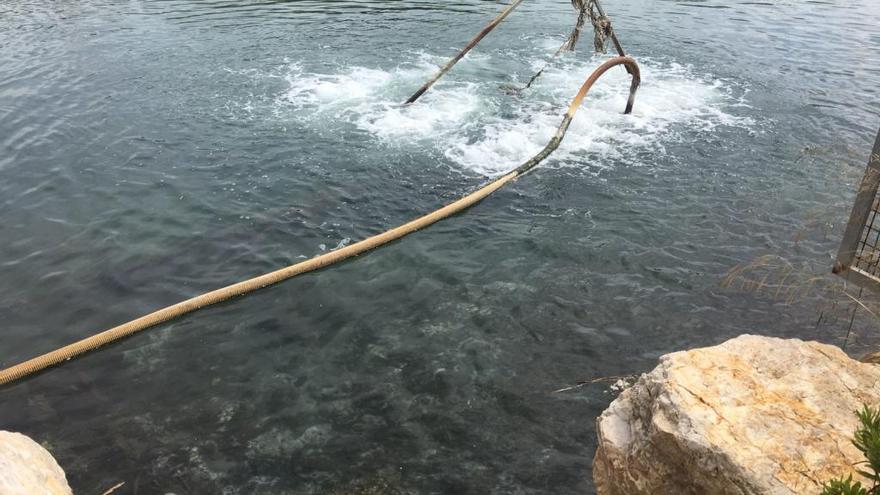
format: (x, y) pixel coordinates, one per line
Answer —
(71, 351)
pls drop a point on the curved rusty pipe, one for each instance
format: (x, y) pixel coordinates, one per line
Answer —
(631, 66)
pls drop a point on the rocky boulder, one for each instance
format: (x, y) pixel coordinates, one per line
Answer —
(754, 415)
(28, 469)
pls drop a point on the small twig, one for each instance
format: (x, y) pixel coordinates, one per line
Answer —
(594, 380)
(860, 303)
(853, 317)
(114, 488)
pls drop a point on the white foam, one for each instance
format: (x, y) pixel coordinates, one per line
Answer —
(483, 130)
(449, 110)
(371, 100)
(334, 90)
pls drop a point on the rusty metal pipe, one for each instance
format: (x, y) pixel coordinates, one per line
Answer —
(566, 45)
(633, 69)
(614, 39)
(482, 34)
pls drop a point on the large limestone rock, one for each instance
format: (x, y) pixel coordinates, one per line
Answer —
(754, 415)
(28, 469)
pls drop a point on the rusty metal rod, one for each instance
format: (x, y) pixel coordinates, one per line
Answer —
(566, 45)
(614, 39)
(482, 34)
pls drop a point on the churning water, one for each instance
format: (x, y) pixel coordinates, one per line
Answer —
(152, 150)
(484, 130)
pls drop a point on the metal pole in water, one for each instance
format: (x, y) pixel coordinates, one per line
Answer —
(482, 34)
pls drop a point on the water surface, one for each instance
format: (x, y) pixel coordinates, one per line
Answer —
(150, 151)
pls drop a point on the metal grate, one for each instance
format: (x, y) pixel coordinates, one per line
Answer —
(858, 259)
(867, 258)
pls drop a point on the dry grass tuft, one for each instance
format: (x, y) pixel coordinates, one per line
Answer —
(779, 278)
(785, 282)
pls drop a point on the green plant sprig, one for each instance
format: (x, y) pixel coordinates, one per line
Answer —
(867, 439)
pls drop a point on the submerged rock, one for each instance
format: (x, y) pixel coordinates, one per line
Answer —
(754, 415)
(26, 468)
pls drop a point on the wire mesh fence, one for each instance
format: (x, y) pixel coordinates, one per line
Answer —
(858, 259)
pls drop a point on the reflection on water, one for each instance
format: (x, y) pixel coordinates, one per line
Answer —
(155, 150)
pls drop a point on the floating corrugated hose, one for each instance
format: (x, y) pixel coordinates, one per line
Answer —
(114, 334)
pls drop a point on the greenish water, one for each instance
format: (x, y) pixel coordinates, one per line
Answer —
(150, 151)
